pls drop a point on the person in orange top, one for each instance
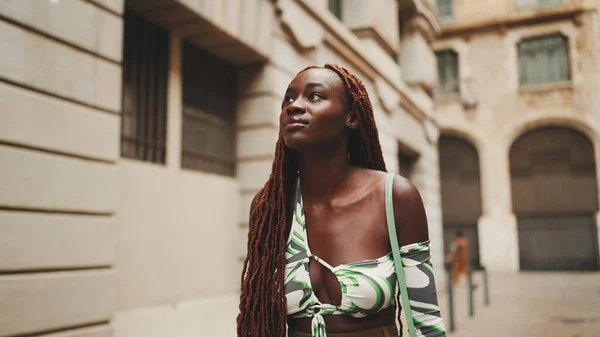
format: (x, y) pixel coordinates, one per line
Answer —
(459, 256)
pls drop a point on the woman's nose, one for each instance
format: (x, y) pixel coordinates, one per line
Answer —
(295, 107)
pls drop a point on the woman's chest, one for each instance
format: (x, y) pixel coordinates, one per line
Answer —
(341, 235)
(336, 238)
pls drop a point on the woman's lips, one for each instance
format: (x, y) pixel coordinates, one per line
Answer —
(294, 126)
(294, 123)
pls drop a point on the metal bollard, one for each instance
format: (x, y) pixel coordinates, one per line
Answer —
(485, 287)
(451, 300)
(471, 309)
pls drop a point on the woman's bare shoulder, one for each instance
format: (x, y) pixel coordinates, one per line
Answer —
(409, 212)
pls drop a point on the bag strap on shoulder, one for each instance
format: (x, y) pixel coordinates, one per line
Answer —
(391, 222)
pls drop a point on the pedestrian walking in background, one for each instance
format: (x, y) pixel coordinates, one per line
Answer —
(459, 257)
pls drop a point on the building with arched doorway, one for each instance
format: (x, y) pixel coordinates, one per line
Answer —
(134, 135)
(517, 105)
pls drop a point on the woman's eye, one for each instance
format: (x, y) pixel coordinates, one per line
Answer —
(314, 95)
(287, 100)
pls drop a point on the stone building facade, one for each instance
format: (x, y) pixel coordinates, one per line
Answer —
(134, 133)
(518, 108)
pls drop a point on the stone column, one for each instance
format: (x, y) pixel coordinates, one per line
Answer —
(376, 24)
(417, 58)
(426, 178)
(174, 106)
(498, 236)
(418, 69)
(257, 132)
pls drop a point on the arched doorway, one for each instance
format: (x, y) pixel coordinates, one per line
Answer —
(461, 193)
(555, 199)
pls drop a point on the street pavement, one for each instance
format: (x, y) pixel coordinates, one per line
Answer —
(528, 304)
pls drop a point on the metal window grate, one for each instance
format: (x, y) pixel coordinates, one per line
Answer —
(447, 63)
(209, 100)
(544, 60)
(145, 70)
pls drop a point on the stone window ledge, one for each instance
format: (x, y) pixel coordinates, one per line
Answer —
(546, 87)
(446, 98)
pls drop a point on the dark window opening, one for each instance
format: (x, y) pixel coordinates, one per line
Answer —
(335, 7)
(209, 101)
(406, 164)
(144, 105)
(447, 63)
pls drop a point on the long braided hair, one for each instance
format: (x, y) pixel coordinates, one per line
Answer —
(262, 301)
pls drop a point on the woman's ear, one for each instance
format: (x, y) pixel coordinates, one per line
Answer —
(352, 119)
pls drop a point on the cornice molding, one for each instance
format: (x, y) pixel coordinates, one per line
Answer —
(501, 25)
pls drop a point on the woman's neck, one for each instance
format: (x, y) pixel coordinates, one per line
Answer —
(322, 174)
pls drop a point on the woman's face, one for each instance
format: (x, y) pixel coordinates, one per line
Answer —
(315, 112)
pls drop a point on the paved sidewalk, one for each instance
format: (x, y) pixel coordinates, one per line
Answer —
(529, 304)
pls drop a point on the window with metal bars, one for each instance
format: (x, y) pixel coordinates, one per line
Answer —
(444, 8)
(145, 70)
(544, 60)
(447, 63)
(533, 4)
(209, 101)
(335, 7)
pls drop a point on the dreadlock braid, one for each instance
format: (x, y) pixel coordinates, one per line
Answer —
(262, 300)
(364, 146)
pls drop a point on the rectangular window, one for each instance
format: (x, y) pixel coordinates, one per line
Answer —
(209, 101)
(544, 60)
(144, 105)
(444, 8)
(406, 164)
(533, 4)
(335, 7)
(447, 63)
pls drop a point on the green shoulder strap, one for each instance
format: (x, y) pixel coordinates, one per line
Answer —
(389, 214)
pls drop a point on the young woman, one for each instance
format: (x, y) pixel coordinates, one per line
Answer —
(319, 259)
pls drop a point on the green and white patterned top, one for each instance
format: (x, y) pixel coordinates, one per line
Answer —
(367, 286)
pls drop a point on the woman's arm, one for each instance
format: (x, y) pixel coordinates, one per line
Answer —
(413, 239)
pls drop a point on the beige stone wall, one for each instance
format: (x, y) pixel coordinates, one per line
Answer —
(488, 61)
(60, 91)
